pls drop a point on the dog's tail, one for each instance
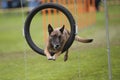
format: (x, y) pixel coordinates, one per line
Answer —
(79, 39)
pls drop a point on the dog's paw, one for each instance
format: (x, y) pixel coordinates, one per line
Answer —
(50, 58)
(53, 58)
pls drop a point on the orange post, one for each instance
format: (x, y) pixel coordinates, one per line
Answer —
(55, 11)
(44, 22)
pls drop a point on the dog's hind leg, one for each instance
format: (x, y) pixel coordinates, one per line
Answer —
(66, 56)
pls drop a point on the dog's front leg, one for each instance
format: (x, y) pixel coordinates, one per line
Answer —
(49, 57)
(56, 55)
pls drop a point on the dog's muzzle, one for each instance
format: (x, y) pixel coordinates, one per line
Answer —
(56, 46)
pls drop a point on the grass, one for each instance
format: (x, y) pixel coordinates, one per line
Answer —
(86, 61)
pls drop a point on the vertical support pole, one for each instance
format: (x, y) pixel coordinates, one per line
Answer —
(76, 15)
(108, 41)
(76, 19)
(25, 54)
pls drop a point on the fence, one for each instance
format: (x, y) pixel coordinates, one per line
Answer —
(82, 10)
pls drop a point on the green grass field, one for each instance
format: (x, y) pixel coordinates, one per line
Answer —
(86, 61)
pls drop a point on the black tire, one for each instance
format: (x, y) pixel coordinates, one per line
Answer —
(45, 6)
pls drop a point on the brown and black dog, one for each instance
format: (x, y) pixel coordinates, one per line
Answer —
(56, 41)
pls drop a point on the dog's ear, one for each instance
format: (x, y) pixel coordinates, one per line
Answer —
(50, 29)
(62, 29)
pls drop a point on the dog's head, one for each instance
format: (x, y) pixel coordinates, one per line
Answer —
(56, 37)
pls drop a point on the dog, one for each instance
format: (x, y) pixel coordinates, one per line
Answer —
(56, 41)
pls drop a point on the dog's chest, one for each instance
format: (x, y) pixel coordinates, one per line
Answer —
(52, 50)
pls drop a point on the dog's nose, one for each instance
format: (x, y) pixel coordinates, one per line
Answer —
(57, 46)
